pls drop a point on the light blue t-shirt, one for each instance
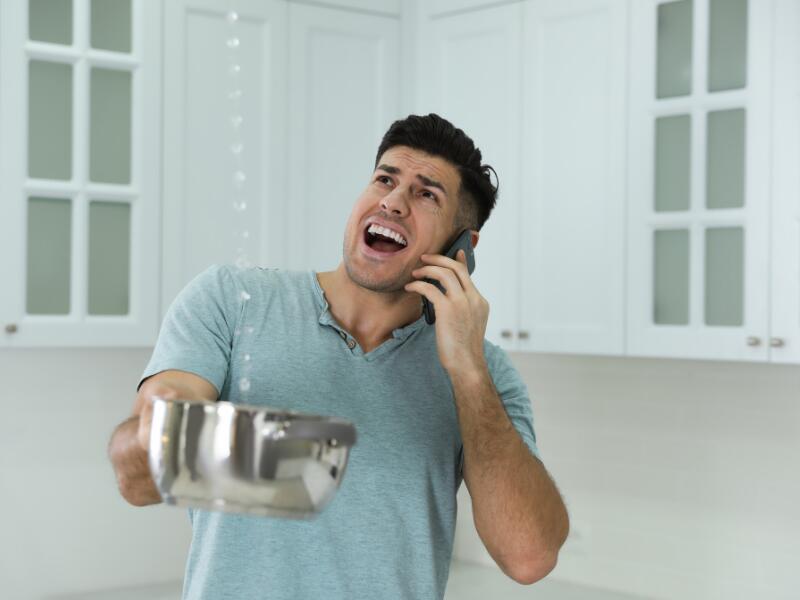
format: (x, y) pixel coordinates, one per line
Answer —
(388, 532)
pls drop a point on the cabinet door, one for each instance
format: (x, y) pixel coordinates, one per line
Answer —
(79, 117)
(387, 7)
(785, 331)
(224, 139)
(573, 182)
(470, 75)
(699, 179)
(343, 90)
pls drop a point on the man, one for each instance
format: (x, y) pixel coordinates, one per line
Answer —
(431, 404)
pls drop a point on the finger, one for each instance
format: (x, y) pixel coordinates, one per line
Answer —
(430, 291)
(458, 267)
(446, 277)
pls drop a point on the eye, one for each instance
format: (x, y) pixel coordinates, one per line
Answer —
(430, 195)
(385, 179)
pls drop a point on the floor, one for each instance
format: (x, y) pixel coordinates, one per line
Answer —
(467, 582)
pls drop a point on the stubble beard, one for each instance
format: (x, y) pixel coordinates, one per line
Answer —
(365, 280)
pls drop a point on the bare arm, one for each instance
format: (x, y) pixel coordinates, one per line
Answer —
(127, 448)
(518, 512)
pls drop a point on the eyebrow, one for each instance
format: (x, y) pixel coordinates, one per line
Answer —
(426, 180)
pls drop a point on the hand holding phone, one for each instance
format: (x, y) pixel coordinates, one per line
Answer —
(463, 242)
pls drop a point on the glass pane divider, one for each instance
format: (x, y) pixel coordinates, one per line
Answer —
(50, 188)
(112, 60)
(697, 185)
(80, 140)
(696, 274)
(703, 219)
(707, 101)
(112, 193)
(52, 52)
(81, 18)
(80, 249)
(80, 232)
(700, 45)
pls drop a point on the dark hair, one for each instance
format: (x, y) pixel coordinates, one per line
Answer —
(438, 137)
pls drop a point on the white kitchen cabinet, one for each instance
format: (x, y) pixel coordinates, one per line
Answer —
(550, 257)
(344, 88)
(80, 161)
(572, 194)
(706, 90)
(784, 331)
(471, 75)
(224, 113)
(319, 83)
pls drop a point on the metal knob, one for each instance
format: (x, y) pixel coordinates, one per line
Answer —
(523, 335)
(753, 341)
(505, 334)
(776, 342)
(11, 328)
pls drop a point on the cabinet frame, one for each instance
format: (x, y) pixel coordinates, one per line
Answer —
(78, 328)
(697, 340)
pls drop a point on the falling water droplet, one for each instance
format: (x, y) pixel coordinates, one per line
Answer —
(237, 147)
(242, 263)
(239, 205)
(244, 384)
(248, 330)
(245, 234)
(235, 69)
(239, 178)
(246, 358)
(232, 16)
(233, 42)
(235, 94)
(244, 296)
(236, 120)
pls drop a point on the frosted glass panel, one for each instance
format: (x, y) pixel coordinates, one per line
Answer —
(671, 277)
(724, 276)
(109, 257)
(672, 168)
(50, 21)
(111, 25)
(674, 68)
(48, 256)
(727, 45)
(49, 120)
(110, 126)
(725, 159)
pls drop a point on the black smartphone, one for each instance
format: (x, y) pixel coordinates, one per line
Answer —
(463, 242)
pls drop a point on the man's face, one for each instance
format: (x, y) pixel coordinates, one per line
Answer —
(413, 194)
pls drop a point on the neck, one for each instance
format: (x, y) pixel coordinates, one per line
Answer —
(368, 315)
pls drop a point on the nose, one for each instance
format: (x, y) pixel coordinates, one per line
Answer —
(395, 202)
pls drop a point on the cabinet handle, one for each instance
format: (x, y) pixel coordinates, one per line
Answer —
(523, 335)
(11, 328)
(753, 341)
(776, 342)
(505, 334)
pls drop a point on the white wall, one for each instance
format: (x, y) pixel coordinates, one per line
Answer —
(63, 526)
(681, 477)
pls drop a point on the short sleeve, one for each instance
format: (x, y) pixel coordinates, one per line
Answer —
(197, 332)
(514, 394)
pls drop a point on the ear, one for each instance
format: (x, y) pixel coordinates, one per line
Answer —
(475, 235)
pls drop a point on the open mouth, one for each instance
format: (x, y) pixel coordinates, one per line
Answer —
(382, 242)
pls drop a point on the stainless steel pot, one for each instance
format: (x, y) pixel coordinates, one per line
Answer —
(247, 459)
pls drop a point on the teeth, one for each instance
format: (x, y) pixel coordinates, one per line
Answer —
(388, 233)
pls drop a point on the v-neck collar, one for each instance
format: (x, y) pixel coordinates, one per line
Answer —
(326, 318)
